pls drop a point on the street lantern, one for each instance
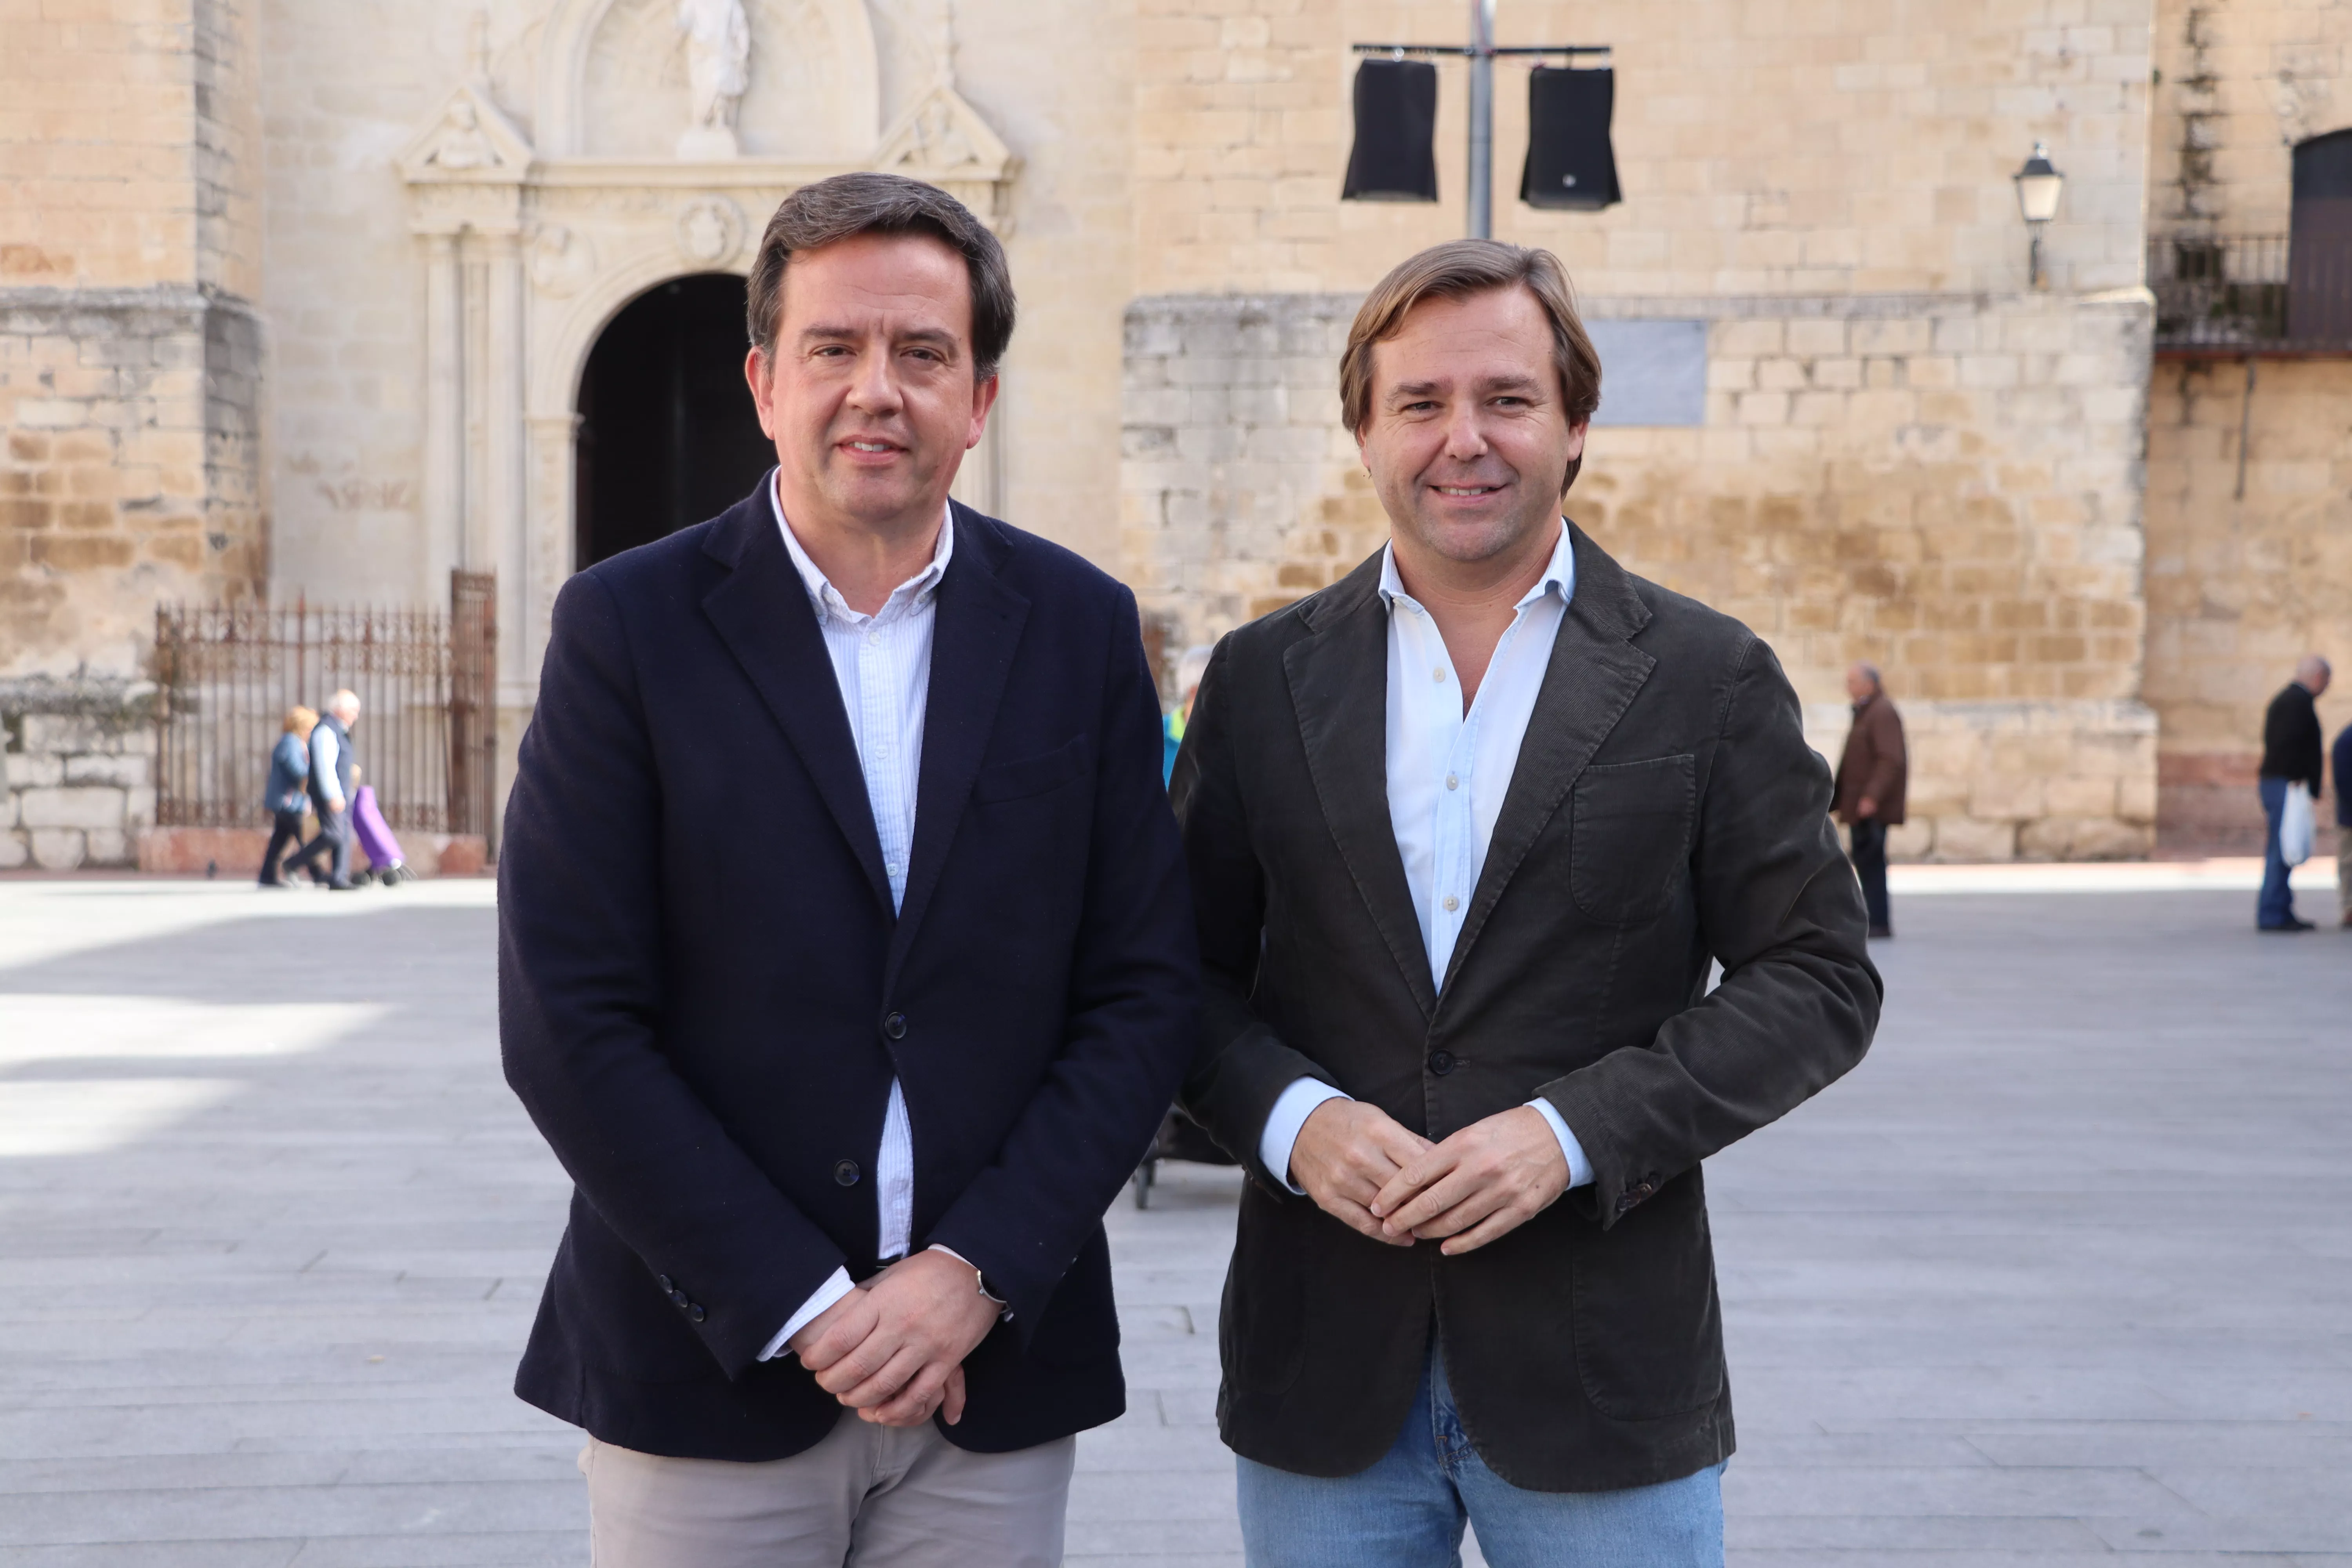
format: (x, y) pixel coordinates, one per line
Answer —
(2039, 186)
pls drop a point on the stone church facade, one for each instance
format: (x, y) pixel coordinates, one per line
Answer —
(306, 297)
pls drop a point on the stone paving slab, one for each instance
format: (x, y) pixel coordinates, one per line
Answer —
(2060, 1276)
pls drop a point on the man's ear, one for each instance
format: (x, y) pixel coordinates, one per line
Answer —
(983, 399)
(755, 373)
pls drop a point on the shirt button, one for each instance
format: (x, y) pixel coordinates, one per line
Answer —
(1452, 903)
(846, 1172)
(1453, 782)
(894, 1027)
(1440, 1062)
(1437, 674)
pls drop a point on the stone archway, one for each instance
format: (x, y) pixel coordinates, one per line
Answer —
(667, 435)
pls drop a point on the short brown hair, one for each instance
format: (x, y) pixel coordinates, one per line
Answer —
(849, 205)
(1456, 270)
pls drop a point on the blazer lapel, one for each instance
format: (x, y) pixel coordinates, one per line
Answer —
(1339, 687)
(1589, 681)
(972, 644)
(762, 611)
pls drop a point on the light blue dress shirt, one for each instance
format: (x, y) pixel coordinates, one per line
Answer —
(1447, 773)
(883, 665)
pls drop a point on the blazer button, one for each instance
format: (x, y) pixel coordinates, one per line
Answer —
(846, 1172)
(1440, 1062)
(894, 1026)
(663, 1281)
(678, 1298)
(695, 1314)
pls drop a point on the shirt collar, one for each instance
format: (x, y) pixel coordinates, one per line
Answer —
(827, 598)
(1559, 572)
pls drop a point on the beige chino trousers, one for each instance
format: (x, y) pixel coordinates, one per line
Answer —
(866, 1497)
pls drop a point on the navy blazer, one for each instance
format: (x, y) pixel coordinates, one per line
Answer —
(704, 995)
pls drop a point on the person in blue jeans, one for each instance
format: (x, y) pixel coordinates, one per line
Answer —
(288, 793)
(1467, 829)
(2291, 742)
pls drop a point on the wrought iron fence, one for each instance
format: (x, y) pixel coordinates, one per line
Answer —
(225, 675)
(2261, 292)
(2219, 291)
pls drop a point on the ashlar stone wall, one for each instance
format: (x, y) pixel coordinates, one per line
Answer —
(130, 351)
(130, 468)
(76, 772)
(2242, 579)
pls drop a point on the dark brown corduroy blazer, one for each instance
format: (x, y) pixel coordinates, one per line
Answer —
(1664, 812)
(1875, 763)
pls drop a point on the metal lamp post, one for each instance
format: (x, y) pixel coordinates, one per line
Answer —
(1482, 119)
(2039, 186)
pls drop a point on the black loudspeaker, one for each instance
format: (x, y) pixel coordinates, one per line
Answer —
(1394, 159)
(1569, 163)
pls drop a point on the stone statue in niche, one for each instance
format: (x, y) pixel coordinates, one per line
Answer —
(718, 68)
(463, 143)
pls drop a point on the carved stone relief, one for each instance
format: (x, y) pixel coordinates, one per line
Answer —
(560, 261)
(710, 231)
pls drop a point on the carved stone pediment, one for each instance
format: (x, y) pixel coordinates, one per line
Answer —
(940, 138)
(469, 142)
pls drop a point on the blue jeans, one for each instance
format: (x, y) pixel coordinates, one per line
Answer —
(2276, 907)
(1407, 1510)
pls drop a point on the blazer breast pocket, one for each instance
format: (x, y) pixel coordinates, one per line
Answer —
(1629, 837)
(1026, 776)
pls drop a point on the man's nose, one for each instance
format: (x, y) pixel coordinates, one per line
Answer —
(1466, 434)
(876, 387)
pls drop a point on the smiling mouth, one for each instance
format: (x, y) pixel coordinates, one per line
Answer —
(1465, 492)
(875, 447)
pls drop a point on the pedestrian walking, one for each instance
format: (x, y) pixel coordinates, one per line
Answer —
(1873, 772)
(2340, 763)
(287, 794)
(334, 767)
(845, 955)
(2291, 756)
(1467, 829)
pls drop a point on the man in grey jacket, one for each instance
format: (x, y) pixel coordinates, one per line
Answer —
(334, 770)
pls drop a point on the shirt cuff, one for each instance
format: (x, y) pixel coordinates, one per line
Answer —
(1282, 1124)
(1580, 1167)
(836, 1287)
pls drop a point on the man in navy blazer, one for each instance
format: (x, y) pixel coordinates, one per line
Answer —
(845, 955)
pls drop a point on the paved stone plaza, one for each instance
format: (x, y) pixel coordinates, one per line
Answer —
(2062, 1273)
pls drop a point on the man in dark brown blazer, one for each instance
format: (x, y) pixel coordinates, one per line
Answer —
(1466, 831)
(1873, 771)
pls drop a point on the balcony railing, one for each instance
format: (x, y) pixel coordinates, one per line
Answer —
(2252, 293)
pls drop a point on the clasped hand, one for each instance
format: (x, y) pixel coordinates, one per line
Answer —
(1369, 1172)
(893, 1349)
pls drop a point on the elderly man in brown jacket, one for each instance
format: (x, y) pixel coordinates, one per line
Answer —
(1870, 779)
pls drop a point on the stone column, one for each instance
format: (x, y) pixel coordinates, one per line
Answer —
(502, 533)
(444, 414)
(552, 545)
